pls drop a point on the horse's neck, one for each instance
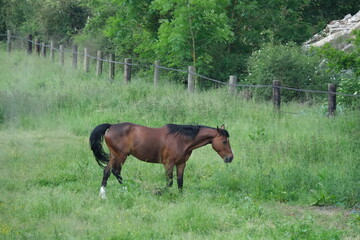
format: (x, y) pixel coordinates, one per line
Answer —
(203, 138)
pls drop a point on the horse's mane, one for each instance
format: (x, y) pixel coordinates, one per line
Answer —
(191, 131)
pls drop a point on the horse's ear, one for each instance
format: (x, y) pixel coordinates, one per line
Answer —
(222, 127)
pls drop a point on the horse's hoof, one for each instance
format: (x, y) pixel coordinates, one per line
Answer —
(102, 193)
(160, 192)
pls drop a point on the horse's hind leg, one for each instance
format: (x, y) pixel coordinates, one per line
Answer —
(113, 166)
(106, 175)
(117, 165)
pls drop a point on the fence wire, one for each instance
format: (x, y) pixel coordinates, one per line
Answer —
(185, 71)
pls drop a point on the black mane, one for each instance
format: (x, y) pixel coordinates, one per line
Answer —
(191, 131)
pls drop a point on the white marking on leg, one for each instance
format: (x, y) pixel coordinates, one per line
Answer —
(102, 192)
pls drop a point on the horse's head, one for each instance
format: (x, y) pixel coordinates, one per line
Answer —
(221, 144)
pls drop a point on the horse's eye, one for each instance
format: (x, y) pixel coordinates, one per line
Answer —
(224, 142)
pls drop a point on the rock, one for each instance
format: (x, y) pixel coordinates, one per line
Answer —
(336, 30)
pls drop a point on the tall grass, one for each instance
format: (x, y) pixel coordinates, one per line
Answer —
(283, 163)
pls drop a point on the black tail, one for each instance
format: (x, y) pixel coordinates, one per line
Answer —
(96, 138)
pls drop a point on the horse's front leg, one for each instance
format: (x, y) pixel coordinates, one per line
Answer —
(169, 168)
(180, 175)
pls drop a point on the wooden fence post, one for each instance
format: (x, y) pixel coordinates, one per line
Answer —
(29, 44)
(112, 66)
(37, 46)
(156, 73)
(127, 70)
(276, 94)
(61, 54)
(232, 83)
(86, 60)
(331, 100)
(75, 56)
(99, 63)
(52, 51)
(43, 49)
(191, 79)
(8, 41)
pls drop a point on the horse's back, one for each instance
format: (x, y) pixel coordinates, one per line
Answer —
(140, 141)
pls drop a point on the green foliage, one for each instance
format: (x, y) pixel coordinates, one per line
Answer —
(216, 36)
(346, 65)
(192, 32)
(61, 20)
(341, 60)
(57, 20)
(15, 14)
(349, 83)
(320, 12)
(281, 19)
(291, 65)
(131, 25)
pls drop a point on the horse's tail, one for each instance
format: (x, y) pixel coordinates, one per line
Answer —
(96, 138)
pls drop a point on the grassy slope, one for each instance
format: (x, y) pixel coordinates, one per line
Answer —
(50, 181)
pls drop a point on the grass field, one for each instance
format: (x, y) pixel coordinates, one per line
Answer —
(294, 176)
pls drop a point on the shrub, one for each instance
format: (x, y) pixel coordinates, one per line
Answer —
(291, 65)
(347, 65)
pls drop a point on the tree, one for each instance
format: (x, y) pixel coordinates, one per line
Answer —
(318, 13)
(192, 32)
(60, 20)
(14, 14)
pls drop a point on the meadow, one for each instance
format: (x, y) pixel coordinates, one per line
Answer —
(295, 175)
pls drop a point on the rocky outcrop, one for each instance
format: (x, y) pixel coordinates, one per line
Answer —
(335, 32)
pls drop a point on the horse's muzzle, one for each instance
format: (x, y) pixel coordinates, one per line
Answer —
(228, 159)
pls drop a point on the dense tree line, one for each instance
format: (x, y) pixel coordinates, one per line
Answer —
(217, 36)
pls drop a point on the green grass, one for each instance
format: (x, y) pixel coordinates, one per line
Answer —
(294, 176)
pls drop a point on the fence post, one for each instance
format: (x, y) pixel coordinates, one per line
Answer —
(8, 41)
(191, 79)
(74, 56)
(29, 45)
(52, 51)
(276, 94)
(232, 83)
(156, 73)
(99, 63)
(37, 46)
(61, 54)
(112, 66)
(86, 60)
(127, 70)
(43, 49)
(331, 100)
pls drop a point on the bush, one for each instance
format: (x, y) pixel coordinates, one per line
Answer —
(291, 65)
(349, 83)
(347, 65)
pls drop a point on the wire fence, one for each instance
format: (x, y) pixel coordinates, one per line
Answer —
(189, 71)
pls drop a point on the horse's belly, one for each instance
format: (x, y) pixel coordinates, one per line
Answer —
(148, 156)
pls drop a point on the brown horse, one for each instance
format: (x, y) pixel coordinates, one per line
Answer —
(170, 145)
